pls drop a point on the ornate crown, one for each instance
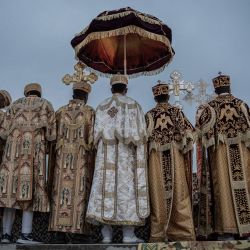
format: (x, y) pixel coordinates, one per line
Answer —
(221, 81)
(6, 98)
(160, 89)
(118, 78)
(32, 87)
(80, 79)
(83, 86)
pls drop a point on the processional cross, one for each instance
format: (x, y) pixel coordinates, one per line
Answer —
(178, 86)
(79, 75)
(203, 97)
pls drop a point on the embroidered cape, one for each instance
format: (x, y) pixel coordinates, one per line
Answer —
(223, 126)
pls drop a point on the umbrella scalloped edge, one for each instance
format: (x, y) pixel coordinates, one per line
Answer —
(131, 76)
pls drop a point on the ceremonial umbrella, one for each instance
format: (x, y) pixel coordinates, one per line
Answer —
(124, 41)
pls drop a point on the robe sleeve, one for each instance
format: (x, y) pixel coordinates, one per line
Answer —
(5, 124)
(50, 117)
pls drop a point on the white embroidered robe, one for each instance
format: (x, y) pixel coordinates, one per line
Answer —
(119, 193)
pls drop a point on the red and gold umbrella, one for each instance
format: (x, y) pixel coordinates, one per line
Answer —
(125, 41)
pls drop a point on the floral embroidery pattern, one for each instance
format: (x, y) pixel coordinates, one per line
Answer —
(112, 112)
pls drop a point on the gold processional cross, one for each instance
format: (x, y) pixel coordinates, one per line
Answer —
(80, 76)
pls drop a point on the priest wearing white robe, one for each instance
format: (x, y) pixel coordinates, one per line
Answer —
(119, 193)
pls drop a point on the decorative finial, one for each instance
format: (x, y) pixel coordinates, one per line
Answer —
(79, 76)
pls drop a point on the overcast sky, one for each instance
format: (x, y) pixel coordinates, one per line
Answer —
(208, 36)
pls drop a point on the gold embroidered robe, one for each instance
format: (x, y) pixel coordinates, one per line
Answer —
(170, 144)
(74, 167)
(224, 139)
(119, 193)
(29, 125)
(2, 143)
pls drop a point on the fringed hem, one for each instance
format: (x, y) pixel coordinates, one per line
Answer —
(225, 140)
(126, 13)
(184, 148)
(131, 76)
(124, 31)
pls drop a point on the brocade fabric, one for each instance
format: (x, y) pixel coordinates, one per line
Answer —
(2, 143)
(28, 126)
(223, 126)
(119, 193)
(74, 167)
(171, 138)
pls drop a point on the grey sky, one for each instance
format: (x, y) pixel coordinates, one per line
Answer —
(208, 36)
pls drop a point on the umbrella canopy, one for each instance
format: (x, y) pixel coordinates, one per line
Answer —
(125, 41)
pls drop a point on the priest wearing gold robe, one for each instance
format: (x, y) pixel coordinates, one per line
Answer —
(119, 193)
(223, 126)
(170, 144)
(5, 101)
(74, 163)
(28, 127)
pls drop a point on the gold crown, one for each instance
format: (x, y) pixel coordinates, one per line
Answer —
(118, 79)
(160, 89)
(221, 81)
(5, 96)
(32, 87)
(83, 86)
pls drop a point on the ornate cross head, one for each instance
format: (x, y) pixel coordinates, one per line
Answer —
(79, 76)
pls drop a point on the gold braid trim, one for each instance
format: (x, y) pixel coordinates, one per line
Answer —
(145, 18)
(239, 188)
(113, 193)
(145, 193)
(121, 32)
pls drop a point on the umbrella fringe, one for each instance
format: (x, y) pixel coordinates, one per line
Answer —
(142, 16)
(144, 73)
(121, 32)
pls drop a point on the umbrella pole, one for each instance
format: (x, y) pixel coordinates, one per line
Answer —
(125, 54)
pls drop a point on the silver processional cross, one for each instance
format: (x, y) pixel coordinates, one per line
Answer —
(178, 86)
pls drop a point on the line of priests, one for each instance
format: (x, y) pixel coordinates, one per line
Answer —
(117, 166)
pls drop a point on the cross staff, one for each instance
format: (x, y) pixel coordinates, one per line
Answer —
(202, 97)
(178, 86)
(79, 75)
